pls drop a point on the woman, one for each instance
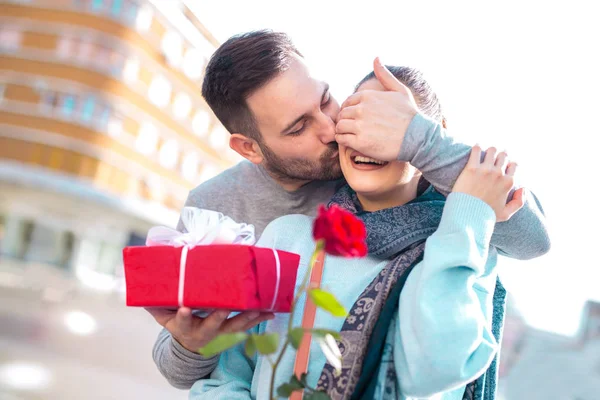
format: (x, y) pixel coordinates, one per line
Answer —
(420, 313)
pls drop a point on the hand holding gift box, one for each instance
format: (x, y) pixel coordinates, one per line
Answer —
(212, 266)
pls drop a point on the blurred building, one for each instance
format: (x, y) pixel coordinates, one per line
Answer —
(103, 129)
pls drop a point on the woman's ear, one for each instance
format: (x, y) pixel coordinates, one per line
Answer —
(246, 147)
(444, 123)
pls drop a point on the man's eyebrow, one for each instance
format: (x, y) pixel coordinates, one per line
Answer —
(300, 118)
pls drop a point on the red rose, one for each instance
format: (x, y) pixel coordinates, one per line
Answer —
(344, 234)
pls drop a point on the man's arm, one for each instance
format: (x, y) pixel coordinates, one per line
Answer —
(386, 125)
(180, 366)
(441, 158)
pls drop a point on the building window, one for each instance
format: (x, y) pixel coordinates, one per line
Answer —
(116, 62)
(48, 101)
(89, 53)
(131, 71)
(109, 259)
(64, 49)
(67, 106)
(102, 116)
(147, 139)
(87, 111)
(98, 5)
(10, 39)
(114, 127)
(189, 166)
(182, 105)
(159, 92)
(130, 11)
(169, 152)
(143, 20)
(84, 52)
(43, 245)
(116, 8)
(66, 248)
(193, 64)
(200, 123)
(101, 56)
(172, 47)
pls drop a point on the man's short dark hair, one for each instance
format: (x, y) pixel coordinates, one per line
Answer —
(237, 69)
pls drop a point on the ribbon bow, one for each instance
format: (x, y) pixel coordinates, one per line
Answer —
(202, 227)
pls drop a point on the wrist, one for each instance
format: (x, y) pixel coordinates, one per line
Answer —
(184, 352)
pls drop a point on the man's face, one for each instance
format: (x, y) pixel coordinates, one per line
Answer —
(295, 114)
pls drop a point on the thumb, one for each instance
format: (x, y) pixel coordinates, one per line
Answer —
(514, 205)
(387, 79)
(183, 319)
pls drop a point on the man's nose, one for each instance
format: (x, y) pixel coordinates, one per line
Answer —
(326, 129)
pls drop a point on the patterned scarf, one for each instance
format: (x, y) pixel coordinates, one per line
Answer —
(397, 234)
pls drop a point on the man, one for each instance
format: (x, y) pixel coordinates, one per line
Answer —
(283, 121)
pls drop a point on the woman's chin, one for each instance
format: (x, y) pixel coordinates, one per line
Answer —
(366, 189)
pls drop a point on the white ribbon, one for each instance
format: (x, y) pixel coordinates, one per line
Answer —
(278, 272)
(182, 264)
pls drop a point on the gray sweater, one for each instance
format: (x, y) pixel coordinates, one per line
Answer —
(246, 193)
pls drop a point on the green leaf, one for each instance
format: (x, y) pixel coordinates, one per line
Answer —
(327, 302)
(286, 389)
(321, 333)
(250, 347)
(222, 343)
(296, 336)
(317, 396)
(266, 343)
(303, 379)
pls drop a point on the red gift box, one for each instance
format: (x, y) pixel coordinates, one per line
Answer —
(220, 276)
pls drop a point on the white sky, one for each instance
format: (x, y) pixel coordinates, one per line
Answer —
(520, 75)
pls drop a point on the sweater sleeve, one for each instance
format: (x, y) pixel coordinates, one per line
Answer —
(443, 339)
(441, 158)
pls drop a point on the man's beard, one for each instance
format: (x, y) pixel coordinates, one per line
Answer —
(326, 169)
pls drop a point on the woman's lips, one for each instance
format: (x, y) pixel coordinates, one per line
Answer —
(365, 166)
